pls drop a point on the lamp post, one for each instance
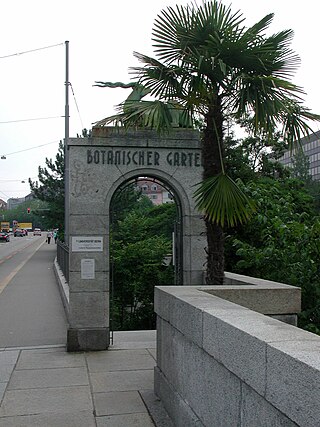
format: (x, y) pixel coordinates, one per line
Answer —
(66, 151)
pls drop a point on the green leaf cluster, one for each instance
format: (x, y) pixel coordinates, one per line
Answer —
(281, 242)
(139, 242)
(50, 190)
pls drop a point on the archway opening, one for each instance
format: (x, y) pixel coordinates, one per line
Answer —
(145, 249)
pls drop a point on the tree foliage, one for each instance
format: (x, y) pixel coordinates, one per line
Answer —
(140, 241)
(208, 65)
(20, 213)
(51, 190)
(281, 242)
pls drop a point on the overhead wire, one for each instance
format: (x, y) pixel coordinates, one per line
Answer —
(75, 101)
(28, 120)
(40, 118)
(32, 148)
(30, 51)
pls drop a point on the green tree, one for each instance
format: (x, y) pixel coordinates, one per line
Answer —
(301, 166)
(139, 243)
(209, 66)
(282, 242)
(51, 191)
(20, 213)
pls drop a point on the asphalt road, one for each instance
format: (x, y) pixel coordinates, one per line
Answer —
(31, 310)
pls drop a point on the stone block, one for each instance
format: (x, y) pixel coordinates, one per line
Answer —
(89, 309)
(193, 278)
(212, 391)
(169, 355)
(266, 300)
(290, 319)
(162, 300)
(179, 411)
(100, 259)
(187, 319)
(99, 284)
(257, 412)
(194, 225)
(194, 257)
(88, 339)
(90, 223)
(293, 380)
(240, 352)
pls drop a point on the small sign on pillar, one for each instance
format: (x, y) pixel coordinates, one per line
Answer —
(87, 269)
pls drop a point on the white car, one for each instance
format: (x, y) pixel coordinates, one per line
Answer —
(37, 232)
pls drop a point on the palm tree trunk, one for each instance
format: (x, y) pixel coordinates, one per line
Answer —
(212, 165)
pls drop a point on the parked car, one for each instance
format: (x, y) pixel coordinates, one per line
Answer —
(18, 232)
(4, 236)
(37, 232)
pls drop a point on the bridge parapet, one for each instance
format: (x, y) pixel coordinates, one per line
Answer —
(221, 363)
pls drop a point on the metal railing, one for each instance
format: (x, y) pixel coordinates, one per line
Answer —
(63, 258)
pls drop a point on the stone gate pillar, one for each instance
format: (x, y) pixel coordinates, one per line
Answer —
(98, 165)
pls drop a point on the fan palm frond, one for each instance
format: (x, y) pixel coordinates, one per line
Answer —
(222, 201)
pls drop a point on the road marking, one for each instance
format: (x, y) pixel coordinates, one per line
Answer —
(10, 276)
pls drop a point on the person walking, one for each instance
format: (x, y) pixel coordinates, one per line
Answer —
(49, 235)
(55, 236)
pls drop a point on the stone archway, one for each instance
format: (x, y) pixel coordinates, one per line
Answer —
(98, 165)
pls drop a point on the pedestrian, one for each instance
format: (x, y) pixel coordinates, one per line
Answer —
(49, 235)
(55, 236)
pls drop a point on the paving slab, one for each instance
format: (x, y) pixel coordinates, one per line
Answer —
(117, 403)
(134, 339)
(36, 359)
(132, 420)
(9, 357)
(5, 372)
(52, 419)
(120, 360)
(121, 381)
(39, 401)
(45, 378)
(49, 387)
(3, 387)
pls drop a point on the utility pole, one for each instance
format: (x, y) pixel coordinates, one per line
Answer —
(66, 151)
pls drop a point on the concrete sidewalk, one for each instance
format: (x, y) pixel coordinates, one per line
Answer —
(48, 387)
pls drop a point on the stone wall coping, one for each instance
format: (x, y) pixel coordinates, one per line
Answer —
(280, 362)
(182, 139)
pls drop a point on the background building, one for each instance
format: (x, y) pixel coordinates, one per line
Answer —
(16, 201)
(3, 205)
(155, 191)
(311, 148)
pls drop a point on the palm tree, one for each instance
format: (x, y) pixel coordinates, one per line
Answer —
(209, 65)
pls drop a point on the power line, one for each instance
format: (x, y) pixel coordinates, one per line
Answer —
(28, 120)
(75, 101)
(30, 51)
(31, 148)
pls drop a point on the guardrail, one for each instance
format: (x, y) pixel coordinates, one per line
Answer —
(63, 258)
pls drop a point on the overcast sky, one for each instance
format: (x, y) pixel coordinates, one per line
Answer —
(102, 36)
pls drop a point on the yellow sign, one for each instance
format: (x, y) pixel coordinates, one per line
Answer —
(25, 225)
